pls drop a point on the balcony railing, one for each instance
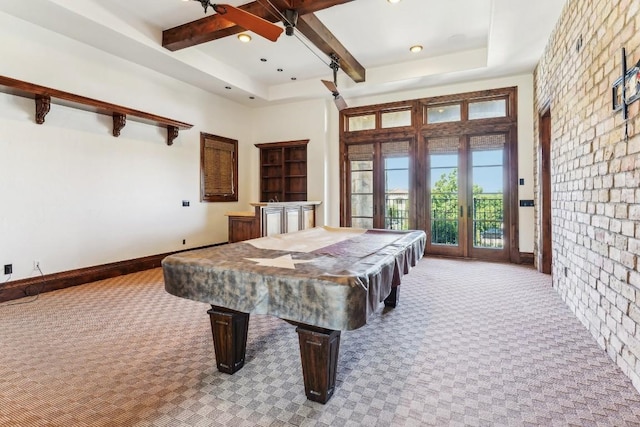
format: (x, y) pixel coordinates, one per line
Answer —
(488, 220)
(444, 218)
(396, 216)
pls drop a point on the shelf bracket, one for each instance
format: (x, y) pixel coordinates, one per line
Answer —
(119, 120)
(43, 105)
(172, 133)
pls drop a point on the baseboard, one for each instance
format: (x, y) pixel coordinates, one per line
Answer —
(526, 258)
(50, 282)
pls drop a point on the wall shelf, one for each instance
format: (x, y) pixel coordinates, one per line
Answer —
(283, 167)
(45, 96)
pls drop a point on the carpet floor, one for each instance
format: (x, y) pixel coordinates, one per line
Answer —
(470, 344)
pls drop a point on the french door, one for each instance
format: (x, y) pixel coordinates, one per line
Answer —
(467, 200)
(379, 178)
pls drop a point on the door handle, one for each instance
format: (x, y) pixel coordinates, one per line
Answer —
(461, 211)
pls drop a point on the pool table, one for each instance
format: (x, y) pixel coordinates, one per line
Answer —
(323, 280)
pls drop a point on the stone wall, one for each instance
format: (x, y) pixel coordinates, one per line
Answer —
(595, 174)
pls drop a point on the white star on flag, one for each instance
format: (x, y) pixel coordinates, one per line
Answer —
(284, 261)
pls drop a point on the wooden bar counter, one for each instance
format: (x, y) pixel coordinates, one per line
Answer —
(268, 219)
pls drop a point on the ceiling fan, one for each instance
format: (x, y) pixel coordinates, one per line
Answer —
(333, 86)
(249, 21)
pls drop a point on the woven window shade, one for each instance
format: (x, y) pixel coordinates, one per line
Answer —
(488, 142)
(218, 167)
(450, 144)
(360, 152)
(396, 148)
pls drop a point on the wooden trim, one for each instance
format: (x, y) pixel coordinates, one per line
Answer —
(282, 144)
(526, 258)
(50, 282)
(545, 250)
(513, 197)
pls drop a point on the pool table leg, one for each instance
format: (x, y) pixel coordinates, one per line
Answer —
(319, 353)
(393, 298)
(229, 329)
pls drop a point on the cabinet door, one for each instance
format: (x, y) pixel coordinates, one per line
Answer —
(242, 228)
(308, 217)
(272, 221)
(292, 219)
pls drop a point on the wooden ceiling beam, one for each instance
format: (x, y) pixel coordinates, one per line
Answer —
(214, 27)
(209, 28)
(323, 39)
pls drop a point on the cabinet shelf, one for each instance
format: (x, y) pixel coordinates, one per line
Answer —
(45, 96)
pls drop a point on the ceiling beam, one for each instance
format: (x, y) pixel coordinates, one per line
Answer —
(319, 35)
(214, 27)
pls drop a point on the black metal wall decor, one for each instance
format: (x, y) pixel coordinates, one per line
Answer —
(626, 89)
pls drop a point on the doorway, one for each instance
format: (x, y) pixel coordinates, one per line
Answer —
(379, 177)
(544, 161)
(467, 184)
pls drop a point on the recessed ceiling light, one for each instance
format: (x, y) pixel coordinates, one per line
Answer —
(415, 49)
(393, 1)
(263, 59)
(294, 78)
(244, 38)
(280, 70)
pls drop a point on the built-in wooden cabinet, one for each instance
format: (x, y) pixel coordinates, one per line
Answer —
(283, 171)
(269, 219)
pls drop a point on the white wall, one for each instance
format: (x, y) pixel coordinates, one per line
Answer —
(72, 195)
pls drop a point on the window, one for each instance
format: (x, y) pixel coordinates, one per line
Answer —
(364, 122)
(443, 113)
(487, 109)
(445, 164)
(392, 119)
(218, 169)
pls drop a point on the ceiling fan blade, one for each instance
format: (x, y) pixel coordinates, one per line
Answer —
(340, 102)
(330, 85)
(249, 21)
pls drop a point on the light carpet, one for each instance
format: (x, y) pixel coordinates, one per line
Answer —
(470, 344)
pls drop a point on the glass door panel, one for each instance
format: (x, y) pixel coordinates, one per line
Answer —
(489, 237)
(379, 179)
(362, 193)
(445, 212)
(396, 193)
(488, 198)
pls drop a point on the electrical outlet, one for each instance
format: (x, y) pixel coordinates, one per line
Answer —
(8, 269)
(36, 265)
